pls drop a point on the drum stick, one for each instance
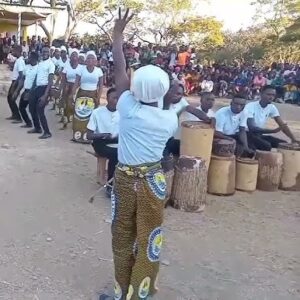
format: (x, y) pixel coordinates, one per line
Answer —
(92, 198)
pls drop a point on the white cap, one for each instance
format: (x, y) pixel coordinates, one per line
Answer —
(63, 48)
(52, 48)
(72, 50)
(91, 52)
(150, 84)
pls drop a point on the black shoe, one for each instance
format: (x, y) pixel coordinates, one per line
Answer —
(105, 297)
(108, 191)
(34, 131)
(10, 118)
(17, 121)
(26, 126)
(45, 136)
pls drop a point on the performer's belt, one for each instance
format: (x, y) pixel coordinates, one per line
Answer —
(140, 170)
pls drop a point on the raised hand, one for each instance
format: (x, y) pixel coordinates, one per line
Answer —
(121, 22)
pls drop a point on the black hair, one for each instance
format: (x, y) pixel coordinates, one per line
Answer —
(267, 87)
(109, 91)
(206, 94)
(239, 96)
(34, 55)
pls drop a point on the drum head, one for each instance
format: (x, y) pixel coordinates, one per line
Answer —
(84, 107)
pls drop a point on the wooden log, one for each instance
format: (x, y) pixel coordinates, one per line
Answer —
(224, 148)
(221, 176)
(196, 140)
(269, 170)
(168, 164)
(246, 174)
(290, 178)
(190, 184)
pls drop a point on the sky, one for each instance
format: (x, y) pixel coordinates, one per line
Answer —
(235, 14)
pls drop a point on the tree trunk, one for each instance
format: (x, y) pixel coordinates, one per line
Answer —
(190, 184)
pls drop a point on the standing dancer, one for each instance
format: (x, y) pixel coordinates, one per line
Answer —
(40, 96)
(30, 75)
(140, 187)
(69, 73)
(89, 80)
(16, 84)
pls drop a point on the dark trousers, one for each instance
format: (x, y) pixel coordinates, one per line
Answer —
(12, 101)
(262, 142)
(24, 101)
(172, 147)
(37, 109)
(101, 148)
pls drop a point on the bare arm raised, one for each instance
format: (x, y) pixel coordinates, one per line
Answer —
(121, 78)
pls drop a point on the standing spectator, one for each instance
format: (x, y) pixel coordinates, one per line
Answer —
(25, 49)
(183, 58)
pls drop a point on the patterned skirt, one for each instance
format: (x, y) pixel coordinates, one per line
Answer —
(137, 214)
(67, 100)
(84, 104)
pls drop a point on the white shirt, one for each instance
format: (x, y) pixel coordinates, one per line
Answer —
(45, 68)
(261, 115)
(229, 123)
(103, 120)
(143, 131)
(190, 117)
(30, 75)
(19, 66)
(207, 86)
(185, 116)
(89, 80)
(70, 72)
(62, 64)
(25, 49)
(178, 107)
(56, 61)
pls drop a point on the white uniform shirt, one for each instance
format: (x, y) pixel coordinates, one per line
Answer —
(19, 66)
(62, 64)
(70, 72)
(178, 107)
(45, 68)
(185, 116)
(260, 115)
(56, 61)
(144, 131)
(30, 75)
(89, 80)
(229, 123)
(103, 120)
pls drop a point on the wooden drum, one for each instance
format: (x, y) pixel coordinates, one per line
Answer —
(167, 164)
(196, 140)
(269, 170)
(221, 176)
(246, 174)
(225, 148)
(290, 178)
(190, 184)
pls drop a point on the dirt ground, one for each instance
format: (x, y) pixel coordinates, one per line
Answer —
(54, 245)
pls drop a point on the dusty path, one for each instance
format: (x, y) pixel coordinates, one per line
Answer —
(54, 245)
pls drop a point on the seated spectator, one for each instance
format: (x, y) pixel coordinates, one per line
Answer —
(207, 85)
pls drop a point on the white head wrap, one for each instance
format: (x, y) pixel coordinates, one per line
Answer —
(72, 50)
(150, 84)
(63, 48)
(81, 54)
(91, 52)
(52, 48)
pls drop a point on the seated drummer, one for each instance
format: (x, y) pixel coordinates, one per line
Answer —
(258, 113)
(103, 128)
(174, 100)
(231, 123)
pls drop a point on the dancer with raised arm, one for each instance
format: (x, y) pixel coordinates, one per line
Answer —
(140, 188)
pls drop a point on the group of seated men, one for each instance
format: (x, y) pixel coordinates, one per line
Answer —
(245, 123)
